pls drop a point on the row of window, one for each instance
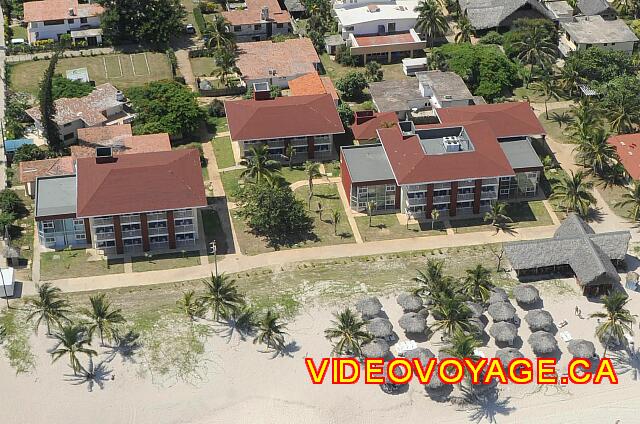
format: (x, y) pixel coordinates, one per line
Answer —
(256, 27)
(59, 22)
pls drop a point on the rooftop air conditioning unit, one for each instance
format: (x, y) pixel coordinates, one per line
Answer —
(451, 144)
(72, 12)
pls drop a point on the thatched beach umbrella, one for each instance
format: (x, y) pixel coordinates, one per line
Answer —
(526, 294)
(502, 311)
(423, 313)
(539, 320)
(477, 325)
(543, 343)
(413, 323)
(507, 355)
(409, 302)
(369, 307)
(476, 309)
(380, 327)
(580, 348)
(420, 353)
(504, 332)
(376, 348)
(498, 295)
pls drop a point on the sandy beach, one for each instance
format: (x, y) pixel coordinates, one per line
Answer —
(238, 383)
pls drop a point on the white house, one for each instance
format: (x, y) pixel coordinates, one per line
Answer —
(49, 19)
(257, 20)
(376, 18)
(594, 31)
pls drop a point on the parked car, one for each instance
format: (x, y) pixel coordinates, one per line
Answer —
(189, 29)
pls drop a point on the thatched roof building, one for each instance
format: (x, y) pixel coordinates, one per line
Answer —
(376, 348)
(413, 323)
(507, 355)
(476, 309)
(575, 248)
(498, 295)
(504, 332)
(580, 348)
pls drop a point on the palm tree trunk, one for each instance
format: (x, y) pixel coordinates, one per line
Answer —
(546, 110)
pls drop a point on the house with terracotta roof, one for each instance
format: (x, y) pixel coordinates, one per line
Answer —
(307, 124)
(458, 167)
(103, 106)
(276, 63)
(127, 204)
(30, 171)
(49, 19)
(367, 122)
(312, 83)
(257, 20)
(628, 149)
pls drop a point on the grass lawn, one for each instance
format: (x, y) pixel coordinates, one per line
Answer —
(296, 173)
(213, 231)
(328, 195)
(75, 263)
(335, 71)
(165, 261)
(221, 125)
(223, 152)
(553, 130)
(387, 227)
(24, 239)
(231, 182)
(19, 32)
(332, 168)
(613, 195)
(202, 66)
(121, 70)
(523, 214)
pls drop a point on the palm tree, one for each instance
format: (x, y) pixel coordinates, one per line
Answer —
(595, 152)
(435, 215)
(498, 215)
(561, 118)
(477, 283)
(191, 306)
(348, 328)
(242, 321)
(618, 319)
(371, 208)
(585, 119)
(259, 166)
(335, 217)
(453, 315)
(219, 35)
(221, 295)
(225, 64)
(537, 48)
(573, 191)
(311, 170)
(103, 318)
(432, 281)
(431, 22)
(72, 339)
(622, 115)
(631, 199)
(570, 78)
(271, 332)
(462, 346)
(48, 307)
(626, 7)
(290, 152)
(548, 88)
(465, 30)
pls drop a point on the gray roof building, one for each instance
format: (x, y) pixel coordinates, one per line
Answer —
(596, 30)
(520, 154)
(367, 163)
(56, 196)
(294, 6)
(395, 96)
(485, 14)
(595, 7)
(574, 244)
(447, 85)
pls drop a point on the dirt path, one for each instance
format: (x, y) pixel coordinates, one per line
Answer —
(184, 64)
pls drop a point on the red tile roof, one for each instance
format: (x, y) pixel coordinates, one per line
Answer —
(368, 130)
(506, 119)
(253, 13)
(49, 10)
(312, 83)
(106, 134)
(293, 116)
(53, 167)
(412, 166)
(120, 143)
(289, 58)
(145, 182)
(628, 148)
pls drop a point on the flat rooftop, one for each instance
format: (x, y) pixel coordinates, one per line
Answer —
(55, 196)
(596, 30)
(367, 163)
(395, 96)
(520, 154)
(442, 141)
(445, 85)
(401, 9)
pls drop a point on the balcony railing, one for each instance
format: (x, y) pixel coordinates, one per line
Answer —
(441, 199)
(187, 213)
(189, 228)
(130, 219)
(490, 181)
(489, 195)
(465, 197)
(102, 221)
(105, 236)
(417, 188)
(416, 201)
(132, 233)
(158, 231)
(470, 183)
(441, 186)
(157, 216)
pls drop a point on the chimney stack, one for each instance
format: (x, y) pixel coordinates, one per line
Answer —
(264, 15)
(261, 91)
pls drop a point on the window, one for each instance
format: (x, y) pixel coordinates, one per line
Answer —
(78, 222)
(105, 229)
(532, 175)
(158, 239)
(158, 224)
(54, 22)
(390, 187)
(132, 242)
(505, 179)
(322, 148)
(504, 192)
(237, 28)
(47, 225)
(69, 136)
(279, 25)
(186, 236)
(363, 190)
(81, 236)
(390, 202)
(83, 20)
(257, 27)
(49, 240)
(71, 21)
(130, 227)
(300, 149)
(103, 244)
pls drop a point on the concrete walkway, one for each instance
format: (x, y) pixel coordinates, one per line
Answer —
(214, 172)
(67, 53)
(184, 65)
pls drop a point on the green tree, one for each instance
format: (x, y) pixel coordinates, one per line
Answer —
(221, 295)
(618, 319)
(165, 106)
(465, 30)
(432, 282)
(225, 64)
(462, 346)
(561, 119)
(48, 306)
(47, 105)
(72, 340)
(311, 171)
(103, 318)
(548, 88)
(600, 65)
(259, 166)
(573, 192)
(621, 104)
(536, 48)
(347, 116)
(352, 84)
(585, 120)
(453, 315)
(570, 78)
(498, 216)
(275, 214)
(10, 202)
(219, 35)
(28, 152)
(373, 71)
(335, 218)
(349, 330)
(142, 21)
(631, 199)
(191, 305)
(271, 331)
(596, 153)
(65, 88)
(477, 283)
(431, 21)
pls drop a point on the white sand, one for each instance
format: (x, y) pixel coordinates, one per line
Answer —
(243, 385)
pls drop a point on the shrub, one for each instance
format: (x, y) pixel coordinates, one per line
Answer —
(352, 84)
(492, 37)
(216, 109)
(343, 56)
(28, 152)
(200, 22)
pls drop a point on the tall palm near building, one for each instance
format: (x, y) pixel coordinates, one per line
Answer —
(72, 340)
(311, 170)
(549, 89)
(623, 115)
(465, 30)
(431, 21)
(586, 117)
(537, 48)
(221, 295)
(432, 282)
(225, 64)
(477, 283)
(618, 319)
(573, 192)
(349, 331)
(103, 318)
(497, 215)
(219, 35)
(259, 166)
(596, 153)
(631, 200)
(48, 306)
